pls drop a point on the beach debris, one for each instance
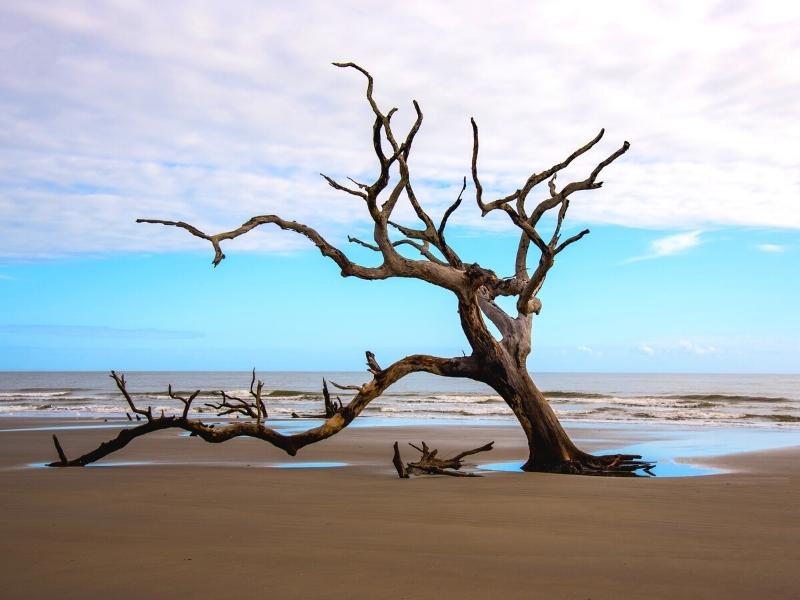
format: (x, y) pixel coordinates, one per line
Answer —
(429, 464)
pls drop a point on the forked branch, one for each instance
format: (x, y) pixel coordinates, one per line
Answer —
(429, 464)
(514, 205)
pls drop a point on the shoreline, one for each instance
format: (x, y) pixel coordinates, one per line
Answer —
(674, 444)
(215, 523)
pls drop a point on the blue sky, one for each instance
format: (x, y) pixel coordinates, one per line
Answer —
(141, 109)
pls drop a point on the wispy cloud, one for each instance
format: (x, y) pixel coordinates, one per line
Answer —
(682, 346)
(774, 248)
(669, 245)
(589, 350)
(693, 348)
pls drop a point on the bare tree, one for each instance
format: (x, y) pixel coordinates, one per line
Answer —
(501, 364)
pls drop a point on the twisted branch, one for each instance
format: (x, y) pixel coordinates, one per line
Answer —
(526, 301)
(449, 367)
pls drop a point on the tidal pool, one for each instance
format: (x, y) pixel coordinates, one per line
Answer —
(680, 452)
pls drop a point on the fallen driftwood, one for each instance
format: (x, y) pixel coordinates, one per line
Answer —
(428, 464)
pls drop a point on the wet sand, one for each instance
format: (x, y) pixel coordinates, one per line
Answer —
(214, 521)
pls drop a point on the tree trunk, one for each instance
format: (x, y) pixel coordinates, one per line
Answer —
(549, 446)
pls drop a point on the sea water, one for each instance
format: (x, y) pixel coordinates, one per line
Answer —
(690, 399)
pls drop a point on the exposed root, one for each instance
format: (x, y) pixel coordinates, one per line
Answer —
(428, 464)
(609, 465)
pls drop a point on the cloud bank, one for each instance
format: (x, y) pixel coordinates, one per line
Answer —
(212, 113)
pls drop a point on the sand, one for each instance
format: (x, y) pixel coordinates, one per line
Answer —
(210, 526)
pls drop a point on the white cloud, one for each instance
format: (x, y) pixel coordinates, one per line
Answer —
(678, 346)
(669, 245)
(215, 112)
(774, 248)
(589, 350)
(693, 348)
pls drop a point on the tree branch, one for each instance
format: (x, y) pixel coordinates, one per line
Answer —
(465, 367)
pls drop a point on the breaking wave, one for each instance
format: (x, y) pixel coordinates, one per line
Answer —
(714, 407)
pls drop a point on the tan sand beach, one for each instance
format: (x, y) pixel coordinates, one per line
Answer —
(210, 526)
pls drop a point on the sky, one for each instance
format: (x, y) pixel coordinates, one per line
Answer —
(213, 112)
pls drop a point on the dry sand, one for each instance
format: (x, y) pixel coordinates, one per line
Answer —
(209, 526)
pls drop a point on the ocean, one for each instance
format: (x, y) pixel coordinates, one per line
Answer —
(695, 399)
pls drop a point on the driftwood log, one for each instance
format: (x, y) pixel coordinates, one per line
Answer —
(429, 464)
(422, 251)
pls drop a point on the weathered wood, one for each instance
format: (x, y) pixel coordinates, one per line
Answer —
(61, 456)
(429, 464)
(501, 364)
(398, 463)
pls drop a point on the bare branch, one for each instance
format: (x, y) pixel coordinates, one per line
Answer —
(357, 388)
(372, 364)
(450, 210)
(187, 402)
(61, 456)
(363, 186)
(338, 186)
(354, 240)
(348, 268)
(121, 386)
(423, 249)
(571, 240)
(449, 367)
(475, 180)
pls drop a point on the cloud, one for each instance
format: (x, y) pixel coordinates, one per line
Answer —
(119, 110)
(693, 348)
(669, 245)
(646, 349)
(589, 350)
(774, 248)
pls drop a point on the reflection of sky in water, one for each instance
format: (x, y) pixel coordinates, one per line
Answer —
(664, 468)
(667, 447)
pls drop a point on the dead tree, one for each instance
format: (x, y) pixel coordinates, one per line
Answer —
(501, 364)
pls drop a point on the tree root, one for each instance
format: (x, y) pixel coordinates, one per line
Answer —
(428, 464)
(609, 465)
